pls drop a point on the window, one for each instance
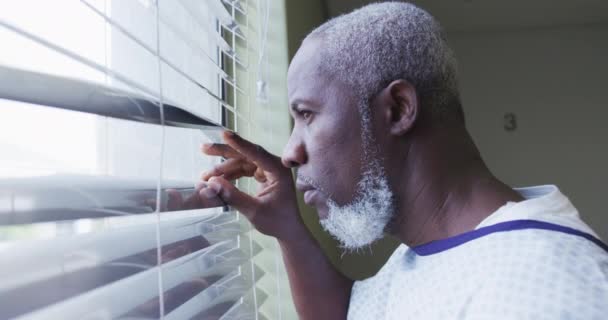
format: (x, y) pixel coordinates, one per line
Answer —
(103, 107)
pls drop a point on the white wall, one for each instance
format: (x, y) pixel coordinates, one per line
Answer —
(555, 81)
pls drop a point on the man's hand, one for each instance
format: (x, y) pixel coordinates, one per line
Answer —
(318, 289)
(273, 211)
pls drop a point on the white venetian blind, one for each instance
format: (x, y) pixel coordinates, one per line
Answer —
(103, 107)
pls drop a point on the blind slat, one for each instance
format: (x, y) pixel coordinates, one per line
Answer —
(217, 7)
(116, 74)
(228, 290)
(155, 63)
(110, 300)
(78, 95)
(245, 308)
(237, 6)
(175, 33)
(195, 8)
(36, 261)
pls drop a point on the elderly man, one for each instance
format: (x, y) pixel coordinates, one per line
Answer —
(380, 146)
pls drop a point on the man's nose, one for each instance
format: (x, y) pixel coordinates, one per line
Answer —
(294, 154)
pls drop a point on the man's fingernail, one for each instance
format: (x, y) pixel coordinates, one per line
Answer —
(230, 135)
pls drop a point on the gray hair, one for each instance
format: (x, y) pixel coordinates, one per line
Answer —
(370, 47)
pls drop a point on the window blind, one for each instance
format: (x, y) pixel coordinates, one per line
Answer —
(103, 107)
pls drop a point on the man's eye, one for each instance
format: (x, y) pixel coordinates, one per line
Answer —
(306, 115)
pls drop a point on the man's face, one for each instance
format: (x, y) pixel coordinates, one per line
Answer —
(339, 170)
(325, 144)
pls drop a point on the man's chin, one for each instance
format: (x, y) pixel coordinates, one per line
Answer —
(362, 222)
(352, 239)
(315, 200)
(323, 213)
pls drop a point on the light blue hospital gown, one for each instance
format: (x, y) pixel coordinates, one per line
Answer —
(533, 259)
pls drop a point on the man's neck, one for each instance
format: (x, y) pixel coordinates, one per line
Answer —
(447, 191)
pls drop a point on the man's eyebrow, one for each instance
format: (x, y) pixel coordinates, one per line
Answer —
(297, 102)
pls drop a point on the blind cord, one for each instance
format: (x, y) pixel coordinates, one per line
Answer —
(159, 253)
(262, 72)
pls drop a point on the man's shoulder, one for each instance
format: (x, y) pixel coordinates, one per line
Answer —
(536, 254)
(541, 272)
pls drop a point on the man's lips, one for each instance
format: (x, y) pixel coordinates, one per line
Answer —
(310, 193)
(313, 197)
(303, 186)
(310, 196)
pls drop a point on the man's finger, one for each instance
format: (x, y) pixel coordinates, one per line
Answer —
(260, 176)
(209, 198)
(220, 150)
(232, 168)
(253, 152)
(175, 200)
(237, 174)
(232, 196)
(194, 201)
(227, 166)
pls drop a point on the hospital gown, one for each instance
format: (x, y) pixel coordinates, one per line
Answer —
(533, 259)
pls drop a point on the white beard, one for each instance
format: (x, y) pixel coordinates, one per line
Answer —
(363, 221)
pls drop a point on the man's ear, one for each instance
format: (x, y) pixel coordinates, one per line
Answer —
(399, 102)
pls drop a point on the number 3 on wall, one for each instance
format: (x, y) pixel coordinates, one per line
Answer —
(510, 122)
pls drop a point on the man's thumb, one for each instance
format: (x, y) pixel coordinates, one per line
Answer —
(232, 196)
